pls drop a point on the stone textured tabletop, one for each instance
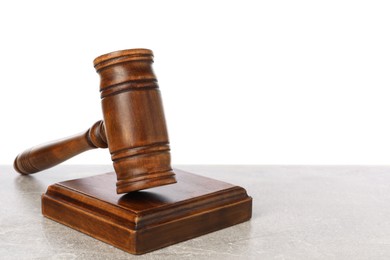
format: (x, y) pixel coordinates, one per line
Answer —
(299, 212)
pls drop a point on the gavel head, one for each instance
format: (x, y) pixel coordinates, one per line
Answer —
(134, 120)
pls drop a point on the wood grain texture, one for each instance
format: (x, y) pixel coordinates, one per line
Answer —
(47, 155)
(134, 126)
(139, 222)
(134, 120)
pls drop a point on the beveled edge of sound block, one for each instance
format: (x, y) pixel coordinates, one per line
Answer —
(141, 222)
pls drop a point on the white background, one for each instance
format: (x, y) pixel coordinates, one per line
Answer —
(243, 82)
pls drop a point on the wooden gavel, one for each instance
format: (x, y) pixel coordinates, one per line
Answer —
(42, 157)
(134, 127)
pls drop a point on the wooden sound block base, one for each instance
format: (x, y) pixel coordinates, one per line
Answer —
(139, 222)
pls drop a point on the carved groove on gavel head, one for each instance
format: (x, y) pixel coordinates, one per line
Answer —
(134, 126)
(134, 120)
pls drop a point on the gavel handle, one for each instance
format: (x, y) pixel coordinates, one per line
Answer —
(44, 156)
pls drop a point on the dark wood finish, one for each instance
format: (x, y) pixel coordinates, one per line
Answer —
(44, 156)
(139, 222)
(134, 120)
(134, 129)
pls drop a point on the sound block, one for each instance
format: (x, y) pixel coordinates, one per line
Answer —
(139, 222)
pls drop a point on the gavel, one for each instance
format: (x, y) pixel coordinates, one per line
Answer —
(133, 129)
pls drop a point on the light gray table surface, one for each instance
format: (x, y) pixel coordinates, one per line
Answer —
(299, 212)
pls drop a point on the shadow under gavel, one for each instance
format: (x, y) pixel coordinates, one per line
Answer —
(134, 128)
